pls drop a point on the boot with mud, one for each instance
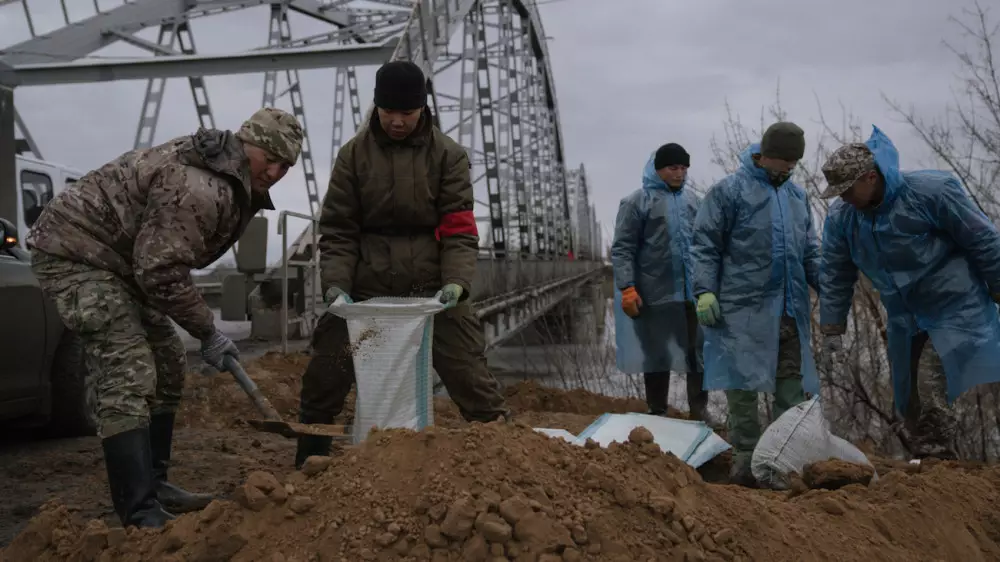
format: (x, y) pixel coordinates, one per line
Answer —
(740, 473)
(173, 498)
(312, 445)
(129, 463)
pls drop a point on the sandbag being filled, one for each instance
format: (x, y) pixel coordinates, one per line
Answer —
(391, 340)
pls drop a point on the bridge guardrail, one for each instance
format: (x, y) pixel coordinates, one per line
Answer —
(310, 270)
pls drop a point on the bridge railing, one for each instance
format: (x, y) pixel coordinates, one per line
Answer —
(310, 270)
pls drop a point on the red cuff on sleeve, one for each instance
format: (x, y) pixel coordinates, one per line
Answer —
(460, 222)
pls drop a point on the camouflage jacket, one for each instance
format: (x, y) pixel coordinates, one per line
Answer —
(381, 224)
(153, 215)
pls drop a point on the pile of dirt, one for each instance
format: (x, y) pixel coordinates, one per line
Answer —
(217, 402)
(504, 492)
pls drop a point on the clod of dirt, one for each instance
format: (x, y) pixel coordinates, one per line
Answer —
(834, 473)
(640, 435)
(315, 464)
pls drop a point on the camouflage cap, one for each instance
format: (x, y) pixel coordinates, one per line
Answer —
(845, 166)
(274, 130)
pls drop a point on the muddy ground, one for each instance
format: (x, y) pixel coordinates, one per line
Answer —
(494, 492)
(214, 450)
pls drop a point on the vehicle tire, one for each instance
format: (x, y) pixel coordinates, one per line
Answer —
(72, 406)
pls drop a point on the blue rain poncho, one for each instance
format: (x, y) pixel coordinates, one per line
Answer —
(755, 248)
(650, 252)
(934, 258)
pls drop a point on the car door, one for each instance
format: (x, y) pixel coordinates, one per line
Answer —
(22, 335)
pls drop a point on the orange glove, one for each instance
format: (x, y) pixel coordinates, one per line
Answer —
(631, 303)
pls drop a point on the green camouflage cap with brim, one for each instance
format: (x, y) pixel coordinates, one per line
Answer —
(274, 130)
(845, 166)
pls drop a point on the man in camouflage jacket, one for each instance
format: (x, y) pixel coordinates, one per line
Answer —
(397, 221)
(115, 253)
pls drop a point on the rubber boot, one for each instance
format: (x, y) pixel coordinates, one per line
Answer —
(129, 462)
(740, 472)
(312, 445)
(657, 387)
(697, 397)
(173, 498)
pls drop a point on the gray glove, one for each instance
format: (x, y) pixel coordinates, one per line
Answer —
(333, 293)
(830, 351)
(216, 347)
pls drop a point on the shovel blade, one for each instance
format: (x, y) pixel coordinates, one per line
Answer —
(292, 429)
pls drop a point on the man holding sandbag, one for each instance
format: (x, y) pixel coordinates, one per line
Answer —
(397, 221)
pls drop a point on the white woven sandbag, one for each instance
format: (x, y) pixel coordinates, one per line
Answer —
(391, 342)
(799, 437)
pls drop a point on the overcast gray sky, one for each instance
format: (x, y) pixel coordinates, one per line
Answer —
(629, 74)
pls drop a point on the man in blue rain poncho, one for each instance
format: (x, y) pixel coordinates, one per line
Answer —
(934, 258)
(754, 252)
(656, 330)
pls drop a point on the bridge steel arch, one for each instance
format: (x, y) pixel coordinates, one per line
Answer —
(492, 89)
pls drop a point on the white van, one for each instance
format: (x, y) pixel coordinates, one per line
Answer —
(38, 181)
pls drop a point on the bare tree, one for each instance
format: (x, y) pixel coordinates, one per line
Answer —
(967, 138)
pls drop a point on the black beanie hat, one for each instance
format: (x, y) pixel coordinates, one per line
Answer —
(671, 154)
(400, 85)
(783, 140)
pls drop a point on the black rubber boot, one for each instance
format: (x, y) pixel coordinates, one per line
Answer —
(173, 498)
(129, 462)
(697, 397)
(312, 445)
(657, 387)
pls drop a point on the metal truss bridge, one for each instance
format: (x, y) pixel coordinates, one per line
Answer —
(491, 87)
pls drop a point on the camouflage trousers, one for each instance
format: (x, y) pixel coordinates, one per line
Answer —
(135, 359)
(929, 421)
(744, 420)
(457, 357)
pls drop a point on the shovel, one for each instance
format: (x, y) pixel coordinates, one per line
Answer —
(273, 422)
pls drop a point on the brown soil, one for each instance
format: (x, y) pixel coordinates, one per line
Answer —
(214, 449)
(492, 492)
(497, 492)
(216, 402)
(835, 474)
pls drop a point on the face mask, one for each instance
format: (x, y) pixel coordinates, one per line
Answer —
(777, 178)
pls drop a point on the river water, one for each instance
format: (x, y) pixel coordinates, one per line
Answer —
(590, 366)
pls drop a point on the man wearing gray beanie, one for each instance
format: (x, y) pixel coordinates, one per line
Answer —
(755, 254)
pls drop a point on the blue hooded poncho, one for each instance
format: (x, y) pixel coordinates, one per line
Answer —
(650, 252)
(934, 258)
(755, 248)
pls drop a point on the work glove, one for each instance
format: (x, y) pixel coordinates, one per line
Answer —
(449, 294)
(708, 309)
(216, 348)
(830, 351)
(631, 302)
(334, 293)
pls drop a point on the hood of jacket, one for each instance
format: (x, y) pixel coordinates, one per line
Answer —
(747, 163)
(221, 152)
(887, 162)
(652, 180)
